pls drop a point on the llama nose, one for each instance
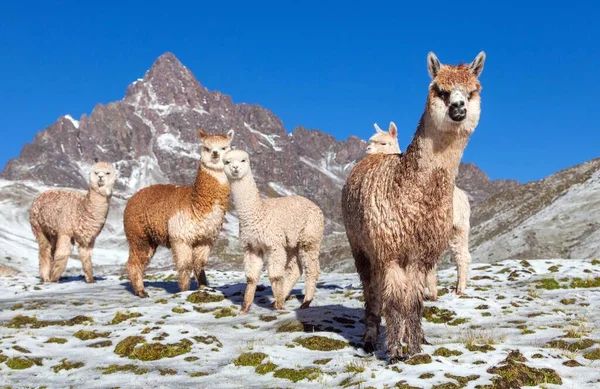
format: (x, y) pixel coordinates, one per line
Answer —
(215, 154)
(458, 104)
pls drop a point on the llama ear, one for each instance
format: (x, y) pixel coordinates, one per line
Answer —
(230, 134)
(379, 130)
(477, 65)
(202, 134)
(393, 130)
(433, 64)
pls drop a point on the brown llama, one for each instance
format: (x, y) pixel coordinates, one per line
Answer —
(397, 208)
(186, 219)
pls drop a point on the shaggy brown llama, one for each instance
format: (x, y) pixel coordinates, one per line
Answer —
(397, 208)
(186, 219)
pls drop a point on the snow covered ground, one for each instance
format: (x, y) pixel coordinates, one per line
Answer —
(101, 335)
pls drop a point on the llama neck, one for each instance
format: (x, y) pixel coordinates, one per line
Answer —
(245, 196)
(433, 148)
(94, 208)
(205, 182)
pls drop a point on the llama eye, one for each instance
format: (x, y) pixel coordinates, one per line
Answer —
(226, 162)
(444, 95)
(383, 143)
(243, 160)
(206, 149)
(223, 148)
(107, 173)
(471, 94)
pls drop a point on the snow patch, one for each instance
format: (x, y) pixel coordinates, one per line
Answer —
(282, 190)
(70, 118)
(268, 138)
(168, 142)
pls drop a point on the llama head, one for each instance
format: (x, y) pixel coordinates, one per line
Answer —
(384, 142)
(453, 101)
(237, 164)
(102, 178)
(214, 148)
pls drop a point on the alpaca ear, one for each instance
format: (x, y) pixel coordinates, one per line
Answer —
(477, 65)
(393, 130)
(230, 134)
(379, 130)
(202, 134)
(433, 64)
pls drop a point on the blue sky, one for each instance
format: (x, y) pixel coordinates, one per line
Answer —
(327, 65)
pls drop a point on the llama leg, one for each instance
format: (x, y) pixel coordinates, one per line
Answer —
(431, 282)
(45, 256)
(182, 255)
(139, 256)
(311, 262)
(459, 247)
(394, 292)
(276, 258)
(200, 258)
(85, 255)
(292, 272)
(372, 295)
(253, 265)
(61, 257)
(412, 308)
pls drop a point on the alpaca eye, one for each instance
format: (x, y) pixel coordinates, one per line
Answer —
(243, 160)
(444, 95)
(471, 94)
(383, 143)
(223, 148)
(107, 173)
(206, 149)
(226, 162)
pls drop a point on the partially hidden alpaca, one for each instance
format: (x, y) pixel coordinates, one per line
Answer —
(62, 218)
(387, 143)
(397, 208)
(285, 231)
(186, 219)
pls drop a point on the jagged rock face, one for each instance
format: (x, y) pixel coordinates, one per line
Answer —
(478, 185)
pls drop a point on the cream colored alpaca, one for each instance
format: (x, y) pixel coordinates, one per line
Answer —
(397, 208)
(387, 143)
(186, 219)
(286, 231)
(61, 218)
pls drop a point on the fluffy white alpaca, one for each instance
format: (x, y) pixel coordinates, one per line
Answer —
(387, 143)
(286, 231)
(61, 218)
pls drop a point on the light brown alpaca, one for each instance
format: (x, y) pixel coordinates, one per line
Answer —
(62, 218)
(387, 143)
(286, 231)
(397, 208)
(186, 219)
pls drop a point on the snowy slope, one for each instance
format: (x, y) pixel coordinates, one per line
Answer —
(503, 310)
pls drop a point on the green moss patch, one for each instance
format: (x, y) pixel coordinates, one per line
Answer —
(17, 306)
(66, 365)
(457, 321)
(249, 359)
(203, 296)
(267, 318)
(21, 363)
(444, 352)
(209, 339)
(290, 325)
(568, 301)
(87, 335)
(21, 349)
(156, 351)
(295, 375)
(547, 283)
(125, 347)
(436, 315)
(224, 312)
(190, 359)
(426, 376)
(562, 344)
(553, 269)
(514, 374)
(167, 371)
(572, 363)
(179, 310)
(322, 361)
(481, 348)
(57, 340)
(22, 321)
(585, 283)
(265, 368)
(592, 355)
(419, 359)
(120, 317)
(321, 343)
(102, 343)
(129, 368)
(198, 374)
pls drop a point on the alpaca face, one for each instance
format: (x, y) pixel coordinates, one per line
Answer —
(454, 102)
(102, 178)
(214, 148)
(237, 164)
(384, 142)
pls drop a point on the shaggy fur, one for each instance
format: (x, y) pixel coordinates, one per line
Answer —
(286, 231)
(186, 219)
(397, 208)
(62, 218)
(387, 143)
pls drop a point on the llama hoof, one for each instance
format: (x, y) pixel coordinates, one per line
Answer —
(424, 341)
(142, 294)
(370, 347)
(398, 358)
(243, 312)
(305, 304)
(92, 281)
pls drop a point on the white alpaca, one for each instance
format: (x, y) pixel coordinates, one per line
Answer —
(61, 218)
(286, 231)
(387, 143)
